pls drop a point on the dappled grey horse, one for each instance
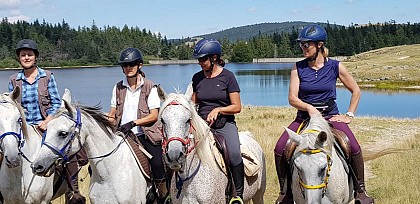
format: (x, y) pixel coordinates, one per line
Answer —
(116, 178)
(197, 178)
(318, 173)
(19, 143)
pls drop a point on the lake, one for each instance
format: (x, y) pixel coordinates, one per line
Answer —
(261, 85)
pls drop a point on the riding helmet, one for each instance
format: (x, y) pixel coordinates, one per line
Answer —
(130, 55)
(313, 33)
(27, 44)
(206, 47)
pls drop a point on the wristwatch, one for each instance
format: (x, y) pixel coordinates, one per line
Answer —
(350, 114)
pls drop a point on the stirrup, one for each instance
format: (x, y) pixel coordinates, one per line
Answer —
(167, 199)
(236, 200)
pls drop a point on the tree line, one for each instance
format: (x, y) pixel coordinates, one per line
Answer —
(60, 45)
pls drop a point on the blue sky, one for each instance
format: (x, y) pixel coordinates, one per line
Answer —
(187, 18)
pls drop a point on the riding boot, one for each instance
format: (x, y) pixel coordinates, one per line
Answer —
(282, 168)
(360, 194)
(74, 196)
(163, 192)
(238, 177)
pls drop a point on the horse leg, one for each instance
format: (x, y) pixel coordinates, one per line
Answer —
(282, 168)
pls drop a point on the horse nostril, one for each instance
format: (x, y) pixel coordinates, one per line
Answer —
(37, 169)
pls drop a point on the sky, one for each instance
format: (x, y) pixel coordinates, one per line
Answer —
(188, 18)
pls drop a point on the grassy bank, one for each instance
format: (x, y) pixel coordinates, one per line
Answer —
(390, 179)
(387, 68)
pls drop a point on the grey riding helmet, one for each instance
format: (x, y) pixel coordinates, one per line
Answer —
(130, 55)
(207, 47)
(27, 44)
(313, 33)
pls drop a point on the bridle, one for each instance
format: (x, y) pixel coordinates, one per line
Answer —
(324, 184)
(20, 137)
(65, 150)
(189, 143)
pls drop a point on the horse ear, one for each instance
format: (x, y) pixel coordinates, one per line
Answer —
(16, 93)
(68, 107)
(189, 92)
(321, 138)
(161, 93)
(293, 136)
(66, 97)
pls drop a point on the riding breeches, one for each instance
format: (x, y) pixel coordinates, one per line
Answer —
(156, 162)
(354, 144)
(230, 133)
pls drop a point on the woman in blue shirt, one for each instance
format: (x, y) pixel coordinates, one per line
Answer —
(313, 91)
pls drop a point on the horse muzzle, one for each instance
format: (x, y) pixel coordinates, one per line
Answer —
(41, 170)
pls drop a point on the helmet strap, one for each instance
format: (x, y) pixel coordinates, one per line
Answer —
(212, 63)
(313, 58)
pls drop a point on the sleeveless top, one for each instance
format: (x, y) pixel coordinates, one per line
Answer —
(318, 86)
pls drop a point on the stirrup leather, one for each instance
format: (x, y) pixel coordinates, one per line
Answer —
(236, 200)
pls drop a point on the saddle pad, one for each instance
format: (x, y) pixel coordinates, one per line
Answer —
(141, 158)
(251, 164)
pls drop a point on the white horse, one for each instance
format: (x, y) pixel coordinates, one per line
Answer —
(19, 144)
(318, 173)
(197, 177)
(116, 178)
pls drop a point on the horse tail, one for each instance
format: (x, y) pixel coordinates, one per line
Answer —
(369, 155)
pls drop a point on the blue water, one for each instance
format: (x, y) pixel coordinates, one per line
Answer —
(261, 85)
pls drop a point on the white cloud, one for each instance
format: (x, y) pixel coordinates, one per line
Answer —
(252, 9)
(13, 19)
(8, 4)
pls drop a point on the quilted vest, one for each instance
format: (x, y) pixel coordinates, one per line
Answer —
(154, 130)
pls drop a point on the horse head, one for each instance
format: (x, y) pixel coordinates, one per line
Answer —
(62, 139)
(12, 128)
(312, 158)
(176, 115)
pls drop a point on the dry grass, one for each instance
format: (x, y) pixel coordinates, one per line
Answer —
(392, 67)
(390, 179)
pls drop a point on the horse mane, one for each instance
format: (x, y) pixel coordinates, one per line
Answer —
(201, 131)
(318, 123)
(6, 97)
(91, 112)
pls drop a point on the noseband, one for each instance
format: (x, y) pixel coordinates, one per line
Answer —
(64, 151)
(185, 142)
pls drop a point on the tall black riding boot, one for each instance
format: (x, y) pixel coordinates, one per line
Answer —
(238, 176)
(357, 165)
(282, 168)
(74, 197)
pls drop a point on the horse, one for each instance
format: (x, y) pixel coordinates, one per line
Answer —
(19, 143)
(187, 139)
(116, 177)
(318, 174)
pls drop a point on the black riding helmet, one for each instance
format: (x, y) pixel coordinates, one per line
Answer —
(207, 47)
(130, 55)
(27, 44)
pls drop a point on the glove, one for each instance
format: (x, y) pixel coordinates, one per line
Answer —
(126, 127)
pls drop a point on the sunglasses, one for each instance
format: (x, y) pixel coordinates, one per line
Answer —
(203, 59)
(305, 44)
(129, 64)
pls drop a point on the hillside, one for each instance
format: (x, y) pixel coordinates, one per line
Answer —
(390, 67)
(249, 31)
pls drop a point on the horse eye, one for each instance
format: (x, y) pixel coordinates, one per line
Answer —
(63, 134)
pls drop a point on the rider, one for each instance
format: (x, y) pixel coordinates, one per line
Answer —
(313, 91)
(134, 107)
(40, 99)
(216, 92)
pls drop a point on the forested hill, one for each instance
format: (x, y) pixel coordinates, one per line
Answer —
(249, 31)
